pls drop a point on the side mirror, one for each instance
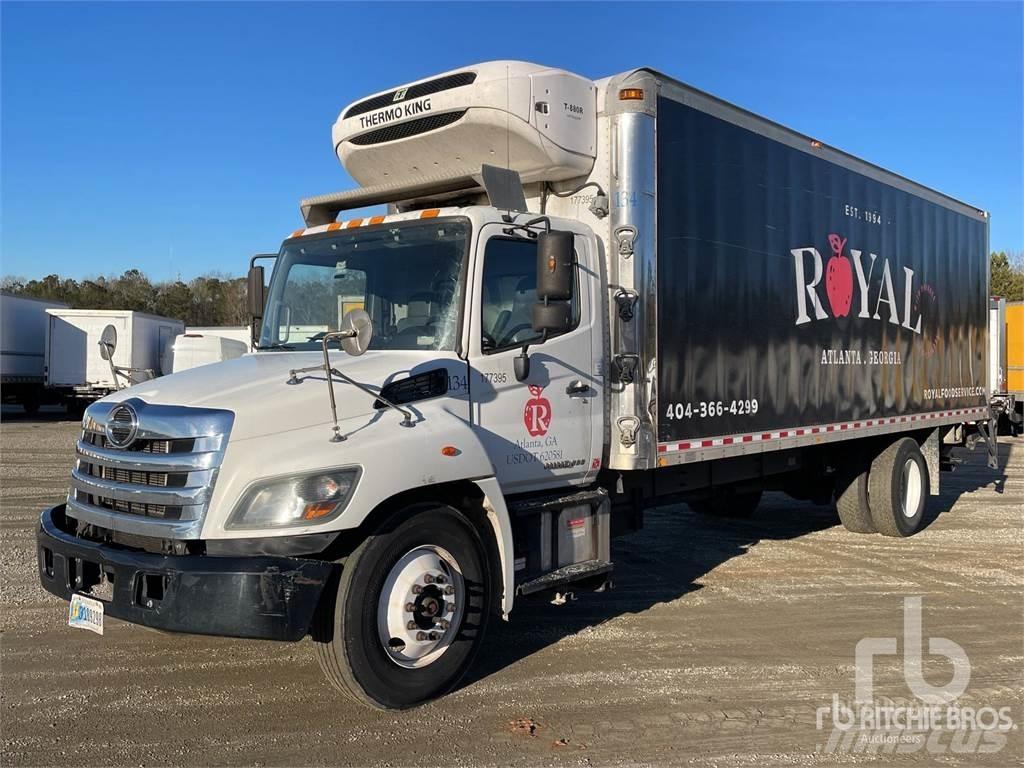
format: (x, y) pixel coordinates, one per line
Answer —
(554, 266)
(256, 292)
(555, 281)
(108, 342)
(553, 317)
(356, 322)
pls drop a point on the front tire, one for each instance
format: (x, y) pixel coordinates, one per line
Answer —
(897, 489)
(409, 612)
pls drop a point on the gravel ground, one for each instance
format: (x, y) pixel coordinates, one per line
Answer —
(717, 647)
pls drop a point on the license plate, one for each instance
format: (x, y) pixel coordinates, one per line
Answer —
(86, 613)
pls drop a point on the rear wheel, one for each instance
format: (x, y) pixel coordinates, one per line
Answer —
(409, 612)
(852, 499)
(897, 488)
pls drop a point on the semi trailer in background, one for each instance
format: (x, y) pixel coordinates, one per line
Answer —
(585, 298)
(75, 368)
(205, 345)
(1006, 361)
(22, 349)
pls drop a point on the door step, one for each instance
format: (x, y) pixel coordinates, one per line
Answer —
(567, 574)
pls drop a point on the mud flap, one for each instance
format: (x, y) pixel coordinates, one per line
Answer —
(987, 430)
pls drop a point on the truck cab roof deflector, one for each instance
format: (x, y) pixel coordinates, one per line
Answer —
(324, 209)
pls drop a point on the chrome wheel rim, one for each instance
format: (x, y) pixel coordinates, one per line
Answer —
(913, 487)
(421, 606)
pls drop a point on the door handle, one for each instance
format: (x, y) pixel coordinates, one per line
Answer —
(577, 388)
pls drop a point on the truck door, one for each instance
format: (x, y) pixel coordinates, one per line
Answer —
(539, 432)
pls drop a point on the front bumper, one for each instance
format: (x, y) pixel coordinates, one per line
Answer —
(272, 598)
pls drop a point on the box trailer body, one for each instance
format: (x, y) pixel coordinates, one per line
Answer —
(1014, 340)
(831, 295)
(73, 360)
(22, 348)
(1006, 361)
(242, 333)
(681, 302)
(200, 347)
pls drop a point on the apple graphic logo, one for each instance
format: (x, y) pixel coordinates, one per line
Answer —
(839, 278)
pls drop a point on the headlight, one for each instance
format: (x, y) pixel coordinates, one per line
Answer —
(299, 500)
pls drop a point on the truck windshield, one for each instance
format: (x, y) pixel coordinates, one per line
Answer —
(407, 276)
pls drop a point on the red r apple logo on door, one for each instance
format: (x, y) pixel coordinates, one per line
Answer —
(537, 413)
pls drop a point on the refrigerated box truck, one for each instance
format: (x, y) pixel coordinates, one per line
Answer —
(22, 349)
(75, 366)
(585, 298)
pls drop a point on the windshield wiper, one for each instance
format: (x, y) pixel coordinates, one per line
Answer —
(275, 345)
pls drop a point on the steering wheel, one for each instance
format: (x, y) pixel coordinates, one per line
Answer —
(487, 341)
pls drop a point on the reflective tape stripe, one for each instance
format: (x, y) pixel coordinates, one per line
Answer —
(803, 431)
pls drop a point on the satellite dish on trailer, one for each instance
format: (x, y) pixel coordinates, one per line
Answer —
(358, 321)
(108, 342)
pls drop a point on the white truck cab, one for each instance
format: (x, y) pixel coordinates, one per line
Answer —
(450, 406)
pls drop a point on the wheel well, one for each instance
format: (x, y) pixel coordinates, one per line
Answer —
(463, 495)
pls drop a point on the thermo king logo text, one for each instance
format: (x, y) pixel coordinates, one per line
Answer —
(396, 112)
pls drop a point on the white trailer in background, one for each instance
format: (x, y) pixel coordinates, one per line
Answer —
(74, 366)
(202, 346)
(22, 349)
(242, 333)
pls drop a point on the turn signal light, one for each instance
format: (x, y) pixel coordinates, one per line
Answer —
(318, 509)
(631, 94)
(449, 450)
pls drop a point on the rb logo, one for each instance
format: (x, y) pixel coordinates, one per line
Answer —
(537, 413)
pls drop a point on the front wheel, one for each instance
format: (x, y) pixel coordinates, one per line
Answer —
(409, 612)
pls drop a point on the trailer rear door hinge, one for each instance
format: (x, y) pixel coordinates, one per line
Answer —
(626, 367)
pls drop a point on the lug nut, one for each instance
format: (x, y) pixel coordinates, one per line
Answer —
(421, 635)
(449, 590)
(416, 589)
(410, 625)
(442, 624)
(440, 580)
(410, 607)
(433, 636)
(428, 579)
(449, 607)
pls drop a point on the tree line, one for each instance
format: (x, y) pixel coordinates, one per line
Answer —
(213, 299)
(218, 299)
(1007, 276)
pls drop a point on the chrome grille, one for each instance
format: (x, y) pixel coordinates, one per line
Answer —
(160, 485)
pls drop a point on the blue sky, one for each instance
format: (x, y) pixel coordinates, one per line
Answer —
(178, 138)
